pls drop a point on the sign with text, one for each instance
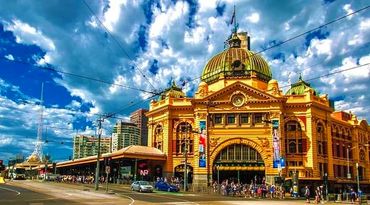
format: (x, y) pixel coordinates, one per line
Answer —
(202, 143)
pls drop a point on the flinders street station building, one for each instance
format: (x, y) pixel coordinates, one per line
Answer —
(241, 126)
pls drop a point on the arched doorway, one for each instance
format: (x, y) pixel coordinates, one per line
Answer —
(240, 163)
(179, 172)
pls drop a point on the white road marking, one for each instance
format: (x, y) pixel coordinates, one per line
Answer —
(18, 193)
(176, 202)
(132, 200)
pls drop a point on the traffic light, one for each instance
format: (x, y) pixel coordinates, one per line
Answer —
(325, 178)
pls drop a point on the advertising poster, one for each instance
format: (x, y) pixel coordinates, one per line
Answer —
(276, 143)
(202, 143)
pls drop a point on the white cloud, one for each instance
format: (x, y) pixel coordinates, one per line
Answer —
(111, 16)
(365, 24)
(25, 33)
(255, 18)
(4, 141)
(9, 57)
(348, 9)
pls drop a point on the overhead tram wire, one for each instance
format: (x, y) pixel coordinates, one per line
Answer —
(301, 34)
(118, 43)
(79, 76)
(333, 73)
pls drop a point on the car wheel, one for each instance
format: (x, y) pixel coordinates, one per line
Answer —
(169, 189)
(140, 190)
(132, 188)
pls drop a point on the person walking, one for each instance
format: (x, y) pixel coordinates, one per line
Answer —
(307, 194)
(317, 195)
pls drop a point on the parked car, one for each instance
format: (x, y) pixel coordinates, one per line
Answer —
(164, 186)
(141, 186)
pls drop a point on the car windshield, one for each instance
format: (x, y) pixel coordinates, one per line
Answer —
(144, 183)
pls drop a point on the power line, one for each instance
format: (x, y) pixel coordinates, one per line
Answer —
(78, 75)
(118, 43)
(300, 35)
(332, 73)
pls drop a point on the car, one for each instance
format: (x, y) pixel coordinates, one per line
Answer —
(141, 186)
(164, 186)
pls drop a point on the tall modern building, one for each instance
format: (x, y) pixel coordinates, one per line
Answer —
(125, 134)
(138, 117)
(84, 146)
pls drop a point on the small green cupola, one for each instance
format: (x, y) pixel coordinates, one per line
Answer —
(299, 87)
(173, 91)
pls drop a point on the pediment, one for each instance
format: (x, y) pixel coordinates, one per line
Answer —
(240, 93)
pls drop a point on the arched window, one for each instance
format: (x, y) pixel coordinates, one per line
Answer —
(322, 143)
(184, 139)
(158, 137)
(239, 154)
(294, 141)
(362, 155)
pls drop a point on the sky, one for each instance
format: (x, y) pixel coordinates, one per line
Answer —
(109, 56)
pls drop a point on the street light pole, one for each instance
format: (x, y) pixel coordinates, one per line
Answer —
(348, 174)
(97, 171)
(358, 178)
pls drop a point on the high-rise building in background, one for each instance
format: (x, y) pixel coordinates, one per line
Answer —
(125, 134)
(138, 117)
(84, 146)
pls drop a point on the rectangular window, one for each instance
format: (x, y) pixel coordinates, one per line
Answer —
(244, 118)
(258, 118)
(291, 127)
(218, 119)
(300, 146)
(230, 119)
(338, 150)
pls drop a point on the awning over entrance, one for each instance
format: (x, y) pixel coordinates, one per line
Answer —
(133, 152)
(241, 168)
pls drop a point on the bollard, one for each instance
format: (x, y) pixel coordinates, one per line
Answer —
(339, 198)
(2, 181)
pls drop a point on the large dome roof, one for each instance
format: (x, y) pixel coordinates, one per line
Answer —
(236, 61)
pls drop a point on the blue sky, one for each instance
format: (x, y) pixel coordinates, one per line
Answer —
(163, 40)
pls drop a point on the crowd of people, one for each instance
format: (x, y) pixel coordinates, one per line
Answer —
(251, 190)
(84, 179)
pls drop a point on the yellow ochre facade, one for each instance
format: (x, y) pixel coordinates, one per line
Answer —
(249, 120)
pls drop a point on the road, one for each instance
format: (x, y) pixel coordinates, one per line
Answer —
(36, 193)
(45, 193)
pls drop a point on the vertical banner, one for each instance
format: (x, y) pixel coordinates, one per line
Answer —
(276, 143)
(202, 143)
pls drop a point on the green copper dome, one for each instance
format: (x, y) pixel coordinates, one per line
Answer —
(236, 61)
(299, 87)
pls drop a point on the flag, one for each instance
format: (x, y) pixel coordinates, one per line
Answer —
(233, 17)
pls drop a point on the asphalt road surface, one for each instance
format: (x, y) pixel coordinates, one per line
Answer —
(45, 193)
(20, 196)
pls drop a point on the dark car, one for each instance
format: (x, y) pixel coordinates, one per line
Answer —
(164, 186)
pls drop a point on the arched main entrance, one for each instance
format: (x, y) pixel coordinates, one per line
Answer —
(179, 172)
(239, 162)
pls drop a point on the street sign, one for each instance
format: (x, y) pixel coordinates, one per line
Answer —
(107, 169)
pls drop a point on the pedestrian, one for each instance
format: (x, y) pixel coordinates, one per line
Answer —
(307, 194)
(317, 195)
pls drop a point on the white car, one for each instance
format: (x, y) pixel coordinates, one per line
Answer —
(141, 186)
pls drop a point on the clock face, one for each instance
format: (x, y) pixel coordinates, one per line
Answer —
(238, 100)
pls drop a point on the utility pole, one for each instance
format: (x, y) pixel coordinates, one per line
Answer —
(98, 155)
